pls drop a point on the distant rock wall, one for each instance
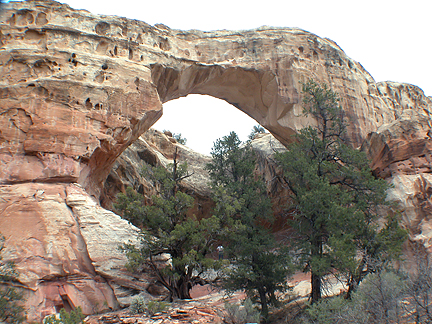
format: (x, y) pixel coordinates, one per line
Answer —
(77, 89)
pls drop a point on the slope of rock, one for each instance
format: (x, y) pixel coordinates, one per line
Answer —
(77, 89)
(65, 247)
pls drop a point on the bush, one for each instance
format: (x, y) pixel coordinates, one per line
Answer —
(380, 294)
(11, 298)
(377, 300)
(335, 310)
(140, 305)
(155, 306)
(74, 317)
(240, 314)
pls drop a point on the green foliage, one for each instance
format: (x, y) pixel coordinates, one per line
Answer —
(167, 230)
(10, 298)
(155, 306)
(259, 265)
(336, 310)
(178, 137)
(377, 300)
(380, 294)
(419, 285)
(335, 198)
(138, 305)
(257, 129)
(235, 313)
(73, 317)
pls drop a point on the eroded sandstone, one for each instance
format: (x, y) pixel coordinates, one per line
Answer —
(77, 89)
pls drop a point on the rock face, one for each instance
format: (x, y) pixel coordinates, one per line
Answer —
(77, 89)
(65, 247)
(402, 153)
(156, 148)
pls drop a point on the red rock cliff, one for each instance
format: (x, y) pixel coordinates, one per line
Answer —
(76, 89)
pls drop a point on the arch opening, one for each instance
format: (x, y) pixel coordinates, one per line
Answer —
(202, 119)
(254, 91)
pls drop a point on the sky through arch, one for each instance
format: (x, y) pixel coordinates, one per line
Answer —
(202, 119)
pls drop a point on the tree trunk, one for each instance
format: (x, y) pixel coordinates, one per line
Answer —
(183, 287)
(356, 278)
(316, 288)
(316, 252)
(263, 302)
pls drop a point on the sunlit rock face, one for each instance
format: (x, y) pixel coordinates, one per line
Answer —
(65, 247)
(401, 152)
(76, 89)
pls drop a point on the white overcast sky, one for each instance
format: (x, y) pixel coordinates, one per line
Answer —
(392, 39)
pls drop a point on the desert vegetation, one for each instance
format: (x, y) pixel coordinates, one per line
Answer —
(341, 227)
(11, 296)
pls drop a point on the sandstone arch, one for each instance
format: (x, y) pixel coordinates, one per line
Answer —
(90, 91)
(254, 92)
(76, 89)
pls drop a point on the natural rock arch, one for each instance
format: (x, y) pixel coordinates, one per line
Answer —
(85, 93)
(76, 89)
(254, 92)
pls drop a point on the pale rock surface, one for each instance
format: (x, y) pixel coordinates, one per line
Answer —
(65, 247)
(401, 152)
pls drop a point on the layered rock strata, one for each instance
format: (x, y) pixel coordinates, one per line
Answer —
(76, 89)
(65, 247)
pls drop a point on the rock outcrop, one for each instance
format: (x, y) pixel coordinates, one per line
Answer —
(401, 152)
(156, 148)
(77, 89)
(65, 247)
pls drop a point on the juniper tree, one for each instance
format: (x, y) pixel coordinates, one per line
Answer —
(259, 265)
(167, 230)
(335, 198)
(257, 129)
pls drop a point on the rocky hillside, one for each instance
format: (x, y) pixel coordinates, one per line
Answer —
(77, 89)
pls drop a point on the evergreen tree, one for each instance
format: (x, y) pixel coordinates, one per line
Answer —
(168, 230)
(10, 309)
(335, 198)
(257, 129)
(259, 265)
(179, 138)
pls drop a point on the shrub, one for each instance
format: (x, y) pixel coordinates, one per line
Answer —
(335, 310)
(377, 300)
(240, 314)
(155, 306)
(138, 305)
(141, 305)
(74, 317)
(11, 298)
